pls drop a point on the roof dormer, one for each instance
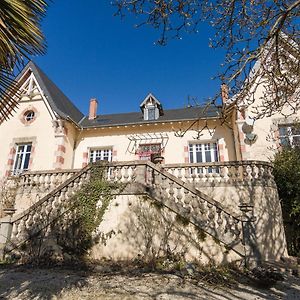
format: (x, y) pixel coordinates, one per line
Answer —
(151, 108)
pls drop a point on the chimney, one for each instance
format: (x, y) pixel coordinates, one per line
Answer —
(93, 109)
(224, 93)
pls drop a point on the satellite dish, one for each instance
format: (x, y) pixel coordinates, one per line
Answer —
(248, 125)
(251, 138)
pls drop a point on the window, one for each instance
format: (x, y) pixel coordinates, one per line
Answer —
(29, 115)
(201, 153)
(22, 158)
(204, 153)
(100, 154)
(151, 113)
(289, 135)
(146, 151)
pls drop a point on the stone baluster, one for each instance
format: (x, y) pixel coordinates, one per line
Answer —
(179, 173)
(186, 174)
(178, 193)
(253, 171)
(237, 175)
(42, 187)
(186, 197)
(126, 173)
(193, 175)
(220, 172)
(111, 174)
(119, 174)
(47, 182)
(133, 173)
(260, 171)
(171, 190)
(59, 178)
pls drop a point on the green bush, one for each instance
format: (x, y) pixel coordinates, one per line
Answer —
(287, 177)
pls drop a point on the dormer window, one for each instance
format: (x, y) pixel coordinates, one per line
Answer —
(151, 108)
(151, 112)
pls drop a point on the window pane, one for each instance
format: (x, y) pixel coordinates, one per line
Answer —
(199, 157)
(295, 129)
(20, 149)
(284, 141)
(191, 157)
(208, 157)
(146, 150)
(210, 153)
(100, 154)
(296, 141)
(18, 163)
(22, 158)
(283, 130)
(151, 113)
(26, 161)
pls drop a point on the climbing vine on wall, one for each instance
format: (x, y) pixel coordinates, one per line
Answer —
(77, 232)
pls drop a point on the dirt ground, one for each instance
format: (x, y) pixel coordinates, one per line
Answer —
(76, 283)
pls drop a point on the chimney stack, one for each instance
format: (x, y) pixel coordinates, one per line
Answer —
(93, 109)
(224, 93)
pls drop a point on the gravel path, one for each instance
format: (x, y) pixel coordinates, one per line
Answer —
(59, 283)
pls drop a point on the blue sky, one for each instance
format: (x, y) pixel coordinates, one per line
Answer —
(91, 53)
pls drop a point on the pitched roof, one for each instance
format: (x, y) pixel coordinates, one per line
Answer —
(58, 101)
(181, 114)
(63, 106)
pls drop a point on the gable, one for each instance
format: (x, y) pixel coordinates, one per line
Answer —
(34, 80)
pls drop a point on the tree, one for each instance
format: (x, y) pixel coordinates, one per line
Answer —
(261, 39)
(287, 177)
(20, 37)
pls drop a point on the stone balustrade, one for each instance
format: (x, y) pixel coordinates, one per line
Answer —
(50, 207)
(231, 173)
(43, 181)
(196, 207)
(168, 185)
(56, 203)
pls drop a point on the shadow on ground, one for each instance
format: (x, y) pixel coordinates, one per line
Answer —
(104, 281)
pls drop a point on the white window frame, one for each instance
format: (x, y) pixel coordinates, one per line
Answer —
(29, 115)
(20, 160)
(146, 155)
(151, 112)
(289, 136)
(97, 154)
(202, 148)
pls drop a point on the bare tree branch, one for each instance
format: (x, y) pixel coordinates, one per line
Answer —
(261, 39)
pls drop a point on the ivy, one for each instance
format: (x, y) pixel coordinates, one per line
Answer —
(88, 207)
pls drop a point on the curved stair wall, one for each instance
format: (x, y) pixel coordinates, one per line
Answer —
(237, 230)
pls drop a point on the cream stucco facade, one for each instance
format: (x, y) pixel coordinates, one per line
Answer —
(48, 140)
(60, 142)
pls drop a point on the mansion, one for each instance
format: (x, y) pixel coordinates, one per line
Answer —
(48, 132)
(207, 167)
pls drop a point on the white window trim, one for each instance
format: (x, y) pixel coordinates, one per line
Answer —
(17, 170)
(93, 156)
(290, 136)
(202, 144)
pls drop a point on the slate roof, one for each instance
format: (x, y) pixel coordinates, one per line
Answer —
(181, 114)
(58, 101)
(64, 107)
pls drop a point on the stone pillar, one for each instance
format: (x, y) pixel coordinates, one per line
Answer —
(252, 253)
(5, 230)
(141, 174)
(138, 184)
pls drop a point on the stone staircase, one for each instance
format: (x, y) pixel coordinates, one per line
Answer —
(140, 178)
